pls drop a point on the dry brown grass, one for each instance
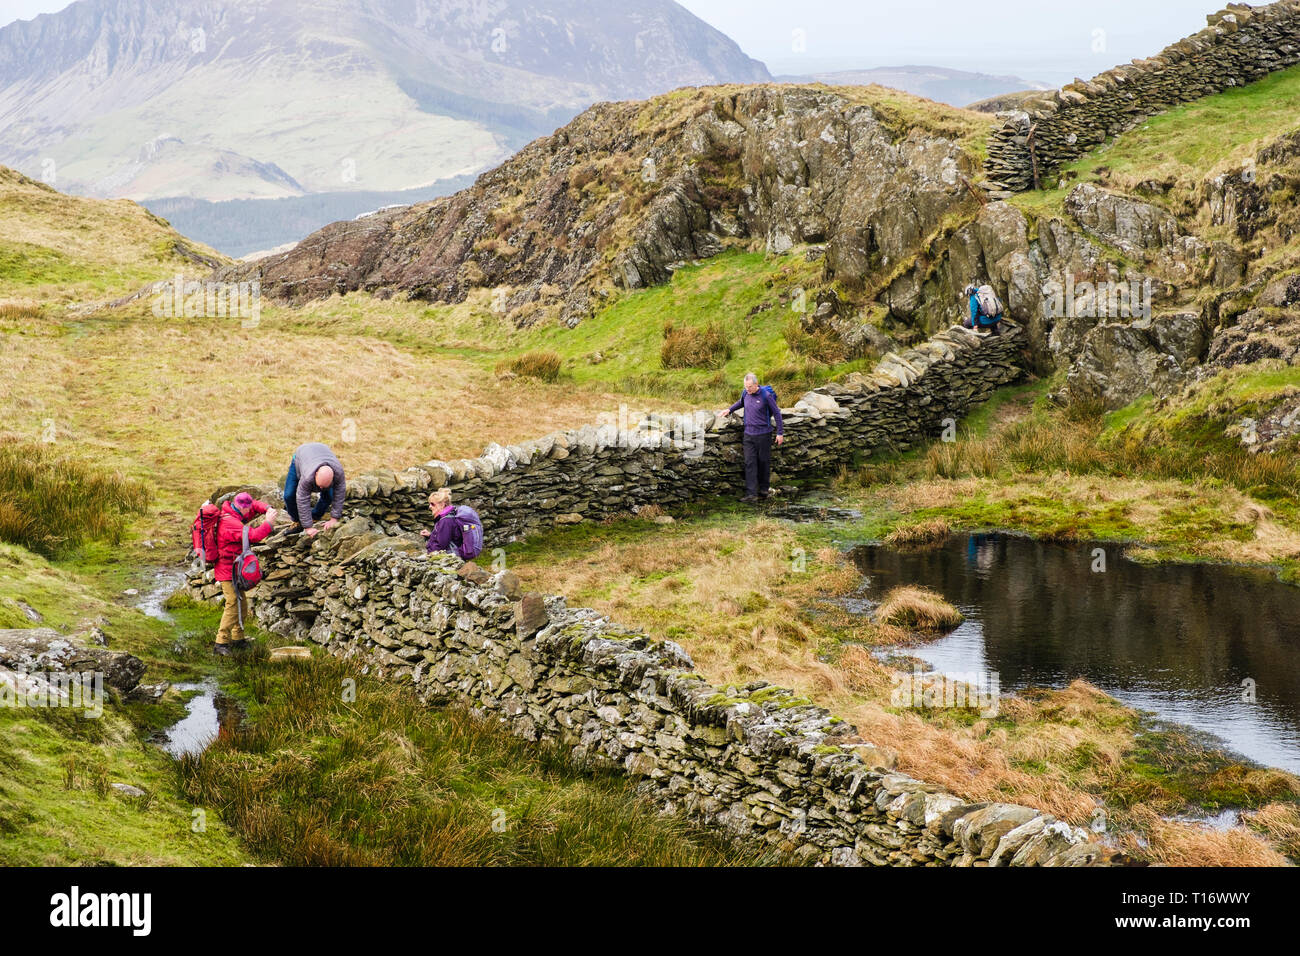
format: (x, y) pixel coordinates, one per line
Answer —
(94, 249)
(1281, 822)
(541, 365)
(732, 600)
(919, 609)
(1190, 844)
(188, 407)
(932, 531)
(694, 347)
(16, 311)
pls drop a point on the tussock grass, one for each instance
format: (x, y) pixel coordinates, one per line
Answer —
(694, 346)
(928, 533)
(918, 609)
(821, 345)
(14, 311)
(1180, 844)
(957, 459)
(387, 781)
(542, 365)
(1281, 823)
(1185, 441)
(51, 501)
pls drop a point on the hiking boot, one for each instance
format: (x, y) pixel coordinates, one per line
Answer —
(221, 650)
(749, 499)
(241, 645)
(766, 494)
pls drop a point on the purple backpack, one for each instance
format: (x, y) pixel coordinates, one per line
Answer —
(468, 541)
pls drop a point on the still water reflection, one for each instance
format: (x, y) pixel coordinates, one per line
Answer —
(1183, 641)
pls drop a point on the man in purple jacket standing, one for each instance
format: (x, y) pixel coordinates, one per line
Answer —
(761, 408)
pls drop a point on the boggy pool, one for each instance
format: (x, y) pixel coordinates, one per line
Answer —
(1213, 647)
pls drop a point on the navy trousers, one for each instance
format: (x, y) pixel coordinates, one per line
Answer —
(758, 464)
(291, 497)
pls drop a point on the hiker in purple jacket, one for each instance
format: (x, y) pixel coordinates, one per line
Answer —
(456, 530)
(440, 538)
(760, 409)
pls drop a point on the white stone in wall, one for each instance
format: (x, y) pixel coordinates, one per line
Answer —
(821, 402)
(498, 457)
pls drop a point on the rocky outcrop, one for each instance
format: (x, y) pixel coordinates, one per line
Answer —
(42, 651)
(1241, 44)
(629, 191)
(1119, 362)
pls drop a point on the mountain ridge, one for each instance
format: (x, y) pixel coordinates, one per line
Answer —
(381, 95)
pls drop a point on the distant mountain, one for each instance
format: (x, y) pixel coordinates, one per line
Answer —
(266, 99)
(954, 87)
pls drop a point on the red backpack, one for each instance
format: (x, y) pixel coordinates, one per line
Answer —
(247, 570)
(203, 533)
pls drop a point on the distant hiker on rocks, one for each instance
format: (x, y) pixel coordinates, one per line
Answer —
(759, 402)
(985, 309)
(457, 529)
(235, 515)
(314, 469)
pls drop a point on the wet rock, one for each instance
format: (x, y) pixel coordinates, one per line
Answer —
(149, 693)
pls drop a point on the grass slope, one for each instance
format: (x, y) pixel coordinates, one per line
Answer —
(307, 778)
(1186, 144)
(57, 249)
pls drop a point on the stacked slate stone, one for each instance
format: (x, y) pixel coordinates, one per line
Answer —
(1240, 45)
(754, 759)
(598, 471)
(757, 760)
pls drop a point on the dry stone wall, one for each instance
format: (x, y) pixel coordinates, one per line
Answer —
(617, 467)
(1241, 44)
(756, 760)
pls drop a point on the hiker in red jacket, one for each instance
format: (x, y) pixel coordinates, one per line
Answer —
(230, 541)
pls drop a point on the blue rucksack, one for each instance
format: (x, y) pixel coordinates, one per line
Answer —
(468, 537)
(767, 390)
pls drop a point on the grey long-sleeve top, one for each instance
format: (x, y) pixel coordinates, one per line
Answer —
(309, 459)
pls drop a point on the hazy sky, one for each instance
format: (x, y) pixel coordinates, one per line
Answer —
(1051, 41)
(1040, 41)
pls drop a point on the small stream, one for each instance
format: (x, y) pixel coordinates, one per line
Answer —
(1187, 642)
(166, 583)
(192, 734)
(208, 714)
